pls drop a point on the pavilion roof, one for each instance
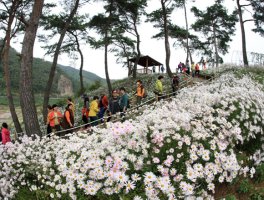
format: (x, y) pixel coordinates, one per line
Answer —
(146, 61)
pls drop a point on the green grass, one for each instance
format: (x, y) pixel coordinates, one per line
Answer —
(38, 100)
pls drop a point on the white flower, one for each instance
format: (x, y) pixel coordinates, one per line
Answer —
(156, 160)
(149, 177)
(211, 187)
(252, 172)
(51, 195)
(137, 198)
(135, 177)
(130, 185)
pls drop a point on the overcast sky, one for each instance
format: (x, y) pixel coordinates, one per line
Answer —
(94, 59)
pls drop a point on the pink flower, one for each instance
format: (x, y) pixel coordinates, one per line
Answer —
(156, 160)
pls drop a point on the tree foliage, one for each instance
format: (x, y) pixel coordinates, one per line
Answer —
(258, 7)
(217, 26)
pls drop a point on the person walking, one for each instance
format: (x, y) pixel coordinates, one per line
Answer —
(140, 92)
(5, 133)
(175, 84)
(103, 104)
(123, 103)
(162, 69)
(180, 67)
(193, 69)
(55, 117)
(69, 101)
(86, 101)
(153, 69)
(113, 106)
(68, 118)
(197, 69)
(159, 88)
(49, 130)
(85, 115)
(94, 109)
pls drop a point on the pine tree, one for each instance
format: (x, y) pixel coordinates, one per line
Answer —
(130, 13)
(68, 19)
(8, 17)
(27, 100)
(106, 25)
(217, 26)
(162, 20)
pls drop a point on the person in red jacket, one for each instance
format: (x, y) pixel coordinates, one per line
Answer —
(54, 118)
(85, 115)
(103, 105)
(5, 133)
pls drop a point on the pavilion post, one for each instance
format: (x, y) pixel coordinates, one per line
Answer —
(147, 66)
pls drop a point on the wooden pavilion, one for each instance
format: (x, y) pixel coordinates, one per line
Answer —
(146, 62)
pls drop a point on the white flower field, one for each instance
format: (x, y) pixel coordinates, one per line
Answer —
(184, 148)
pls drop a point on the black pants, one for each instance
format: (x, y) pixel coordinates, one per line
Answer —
(49, 130)
(85, 121)
(93, 120)
(174, 90)
(55, 129)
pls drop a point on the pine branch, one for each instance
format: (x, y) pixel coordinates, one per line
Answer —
(249, 20)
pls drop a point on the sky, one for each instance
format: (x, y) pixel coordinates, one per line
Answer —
(94, 59)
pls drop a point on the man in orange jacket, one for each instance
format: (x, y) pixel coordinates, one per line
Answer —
(140, 92)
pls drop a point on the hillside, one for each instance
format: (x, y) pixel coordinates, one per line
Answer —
(41, 69)
(205, 143)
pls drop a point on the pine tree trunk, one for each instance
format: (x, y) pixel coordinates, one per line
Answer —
(138, 51)
(81, 66)
(166, 35)
(190, 54)
(55, 60)
(187, 35)
(27, 100)
(5, 58)
(243, 34)
(109, 85)
(216, 49)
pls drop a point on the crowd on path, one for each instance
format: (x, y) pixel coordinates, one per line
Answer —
(101, 109)
(93, 112)
(194, 69)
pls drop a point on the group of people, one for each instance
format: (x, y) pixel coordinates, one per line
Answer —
(94, 112)
(195, 67)
(56, 120)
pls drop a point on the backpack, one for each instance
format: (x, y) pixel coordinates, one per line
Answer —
(145, 91)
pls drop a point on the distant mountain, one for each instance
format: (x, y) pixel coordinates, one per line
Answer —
(65, 75)
(88, 77)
